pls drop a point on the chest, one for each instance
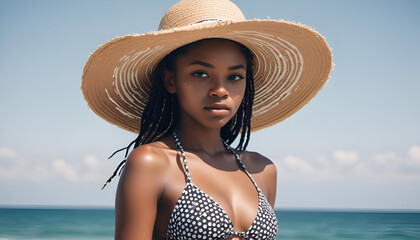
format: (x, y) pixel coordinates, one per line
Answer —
(216, 201)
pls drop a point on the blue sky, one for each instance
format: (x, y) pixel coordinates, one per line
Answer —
(356, 145)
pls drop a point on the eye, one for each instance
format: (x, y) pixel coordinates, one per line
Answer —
(236, 77)
(200, 74)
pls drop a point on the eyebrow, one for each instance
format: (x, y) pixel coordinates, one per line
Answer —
(237, 67)
(211, 66)
(202, 64)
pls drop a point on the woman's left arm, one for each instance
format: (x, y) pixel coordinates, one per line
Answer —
(270, 179)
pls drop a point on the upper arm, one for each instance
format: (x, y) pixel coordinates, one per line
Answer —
(271, 173)
(270, 177)
(137, 195)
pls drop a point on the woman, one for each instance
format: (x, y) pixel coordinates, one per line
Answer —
(192, 83)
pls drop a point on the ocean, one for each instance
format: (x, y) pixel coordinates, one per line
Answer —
(98, 224)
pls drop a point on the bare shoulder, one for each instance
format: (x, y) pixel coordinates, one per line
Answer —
(257, 162)
(145, 164)
(148, 156)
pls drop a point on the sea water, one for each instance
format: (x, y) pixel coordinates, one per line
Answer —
(95, 224)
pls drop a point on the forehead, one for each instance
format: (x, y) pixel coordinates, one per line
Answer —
(213, 50)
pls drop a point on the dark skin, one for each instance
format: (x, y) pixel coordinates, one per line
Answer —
(209, 82)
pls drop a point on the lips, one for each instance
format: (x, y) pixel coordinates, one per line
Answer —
(217, 106)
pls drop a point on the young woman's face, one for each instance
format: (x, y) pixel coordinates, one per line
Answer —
(209, 81)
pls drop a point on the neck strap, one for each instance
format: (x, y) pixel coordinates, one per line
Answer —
(229, 148)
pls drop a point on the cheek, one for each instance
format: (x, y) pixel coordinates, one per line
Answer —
(238, 93)
(239, 90)
(188, 93)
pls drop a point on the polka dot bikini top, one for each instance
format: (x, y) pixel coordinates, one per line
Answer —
(198, 216)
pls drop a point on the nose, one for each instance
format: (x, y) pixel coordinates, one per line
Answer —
(218, 88)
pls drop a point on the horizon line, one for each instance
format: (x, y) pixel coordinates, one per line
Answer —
(309, 209)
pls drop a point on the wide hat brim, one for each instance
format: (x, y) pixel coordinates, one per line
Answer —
(292, 62)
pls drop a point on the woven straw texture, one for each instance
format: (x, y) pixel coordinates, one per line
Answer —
(292, 62)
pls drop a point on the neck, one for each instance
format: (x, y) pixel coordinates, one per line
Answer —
(203, 139)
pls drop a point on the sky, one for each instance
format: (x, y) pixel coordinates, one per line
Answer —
(356, 145)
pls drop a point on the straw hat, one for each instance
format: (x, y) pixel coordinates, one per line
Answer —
(292, 62)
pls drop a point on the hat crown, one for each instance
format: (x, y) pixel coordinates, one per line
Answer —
(189, 12)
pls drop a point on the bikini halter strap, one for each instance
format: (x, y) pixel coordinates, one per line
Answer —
(178, 144)
(229, 148)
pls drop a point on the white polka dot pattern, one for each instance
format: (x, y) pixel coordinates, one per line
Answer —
(198, 216)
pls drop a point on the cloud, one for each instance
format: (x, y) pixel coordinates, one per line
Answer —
(62, 168)
(7, 153)
(15, 167)
(292, 166)
(90, 161)
(297, 164)
(414, 156)
(346, 157)
(343, 164)
(88, 170)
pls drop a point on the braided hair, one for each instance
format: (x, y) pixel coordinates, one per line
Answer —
(159, 116)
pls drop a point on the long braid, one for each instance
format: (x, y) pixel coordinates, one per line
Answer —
(248, 113)
(157, 118)
(159, 115)
(165, 111)
(242, 119)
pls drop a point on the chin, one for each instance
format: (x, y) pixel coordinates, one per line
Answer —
(218, 124)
